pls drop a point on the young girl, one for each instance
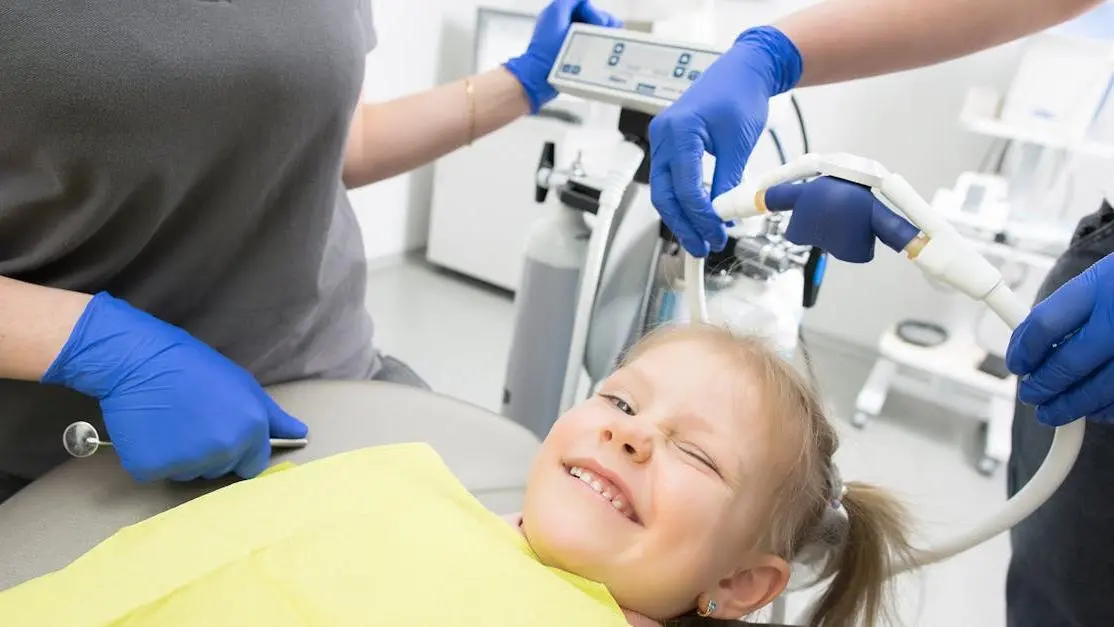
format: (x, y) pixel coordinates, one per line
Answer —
(717, 456)
(688, 489)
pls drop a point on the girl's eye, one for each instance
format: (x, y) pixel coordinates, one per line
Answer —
(702, 458)
(621, 405)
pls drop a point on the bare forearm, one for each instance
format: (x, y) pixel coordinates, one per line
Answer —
(847, 39)
(35, 323)
(397, 136)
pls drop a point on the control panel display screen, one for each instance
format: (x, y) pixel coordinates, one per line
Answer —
(648, 69)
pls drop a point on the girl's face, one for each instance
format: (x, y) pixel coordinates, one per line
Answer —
(656, 486)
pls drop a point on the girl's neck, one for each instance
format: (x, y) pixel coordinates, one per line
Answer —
(637, 620)
(633, 618)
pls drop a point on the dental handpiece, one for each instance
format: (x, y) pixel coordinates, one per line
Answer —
(81, 439)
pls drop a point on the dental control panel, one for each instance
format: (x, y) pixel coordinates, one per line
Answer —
(627, 68)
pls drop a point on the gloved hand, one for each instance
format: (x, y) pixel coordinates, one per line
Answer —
(532, 68)
(1064, 350)
(174, 407)
(723, 113)
(839, 216)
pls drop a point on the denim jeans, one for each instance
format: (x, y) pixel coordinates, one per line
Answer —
(1062, 570)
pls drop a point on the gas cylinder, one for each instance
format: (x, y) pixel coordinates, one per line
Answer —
(546, 299)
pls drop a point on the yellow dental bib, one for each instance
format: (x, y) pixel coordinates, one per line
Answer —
(376, 537)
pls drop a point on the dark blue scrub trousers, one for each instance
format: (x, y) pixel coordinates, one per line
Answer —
(1062, 570)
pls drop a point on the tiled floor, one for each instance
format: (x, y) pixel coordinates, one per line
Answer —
(456, 334)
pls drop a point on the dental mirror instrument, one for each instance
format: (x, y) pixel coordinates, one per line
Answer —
(80, 440)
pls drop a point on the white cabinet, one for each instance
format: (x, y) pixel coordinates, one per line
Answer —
(483, 201)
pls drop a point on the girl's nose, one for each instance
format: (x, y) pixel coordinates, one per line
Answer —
(635, 439)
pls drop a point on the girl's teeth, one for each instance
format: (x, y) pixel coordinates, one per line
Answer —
(595, 484)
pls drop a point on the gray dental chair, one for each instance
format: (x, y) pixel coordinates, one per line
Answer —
(73, 508)
(81, 503)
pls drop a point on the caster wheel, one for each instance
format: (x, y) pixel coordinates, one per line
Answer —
(859, 420)
(987, 466)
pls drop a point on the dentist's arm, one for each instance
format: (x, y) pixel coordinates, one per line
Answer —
(390, 138)
(724, 112)
(34, 325)
(174, 407)
(846, 39)
(387, 139)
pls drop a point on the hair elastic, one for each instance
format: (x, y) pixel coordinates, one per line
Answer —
(836, 489)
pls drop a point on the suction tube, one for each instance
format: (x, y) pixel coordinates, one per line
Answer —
(627, 159)
(1051, 474)
(942, 254)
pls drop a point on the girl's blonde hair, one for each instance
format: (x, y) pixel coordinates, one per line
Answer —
(861, 542)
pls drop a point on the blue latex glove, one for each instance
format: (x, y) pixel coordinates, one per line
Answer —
(532, 68)
(839, 216)
(174, 407)
(1064, 350)
(722, 113)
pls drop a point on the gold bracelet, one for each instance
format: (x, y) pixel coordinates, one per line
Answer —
(470, 91)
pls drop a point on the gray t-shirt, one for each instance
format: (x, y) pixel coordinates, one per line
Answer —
(184, 156)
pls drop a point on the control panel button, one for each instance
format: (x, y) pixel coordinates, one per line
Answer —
(685, 58)
(613, 61)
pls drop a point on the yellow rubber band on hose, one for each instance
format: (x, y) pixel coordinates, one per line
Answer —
(916, 245)
(760, 201)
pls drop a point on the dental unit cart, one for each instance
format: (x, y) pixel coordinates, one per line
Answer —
(587, 293)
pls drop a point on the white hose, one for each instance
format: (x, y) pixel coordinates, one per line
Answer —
(695, 293)
(1055, 468)
(1051, 474)
(627, 159)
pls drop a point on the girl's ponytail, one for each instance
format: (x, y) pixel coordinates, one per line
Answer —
(859, 573)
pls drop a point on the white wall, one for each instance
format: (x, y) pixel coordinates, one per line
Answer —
(416, 51)
(908, 121)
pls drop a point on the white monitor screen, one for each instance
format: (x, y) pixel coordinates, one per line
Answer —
(657, 70)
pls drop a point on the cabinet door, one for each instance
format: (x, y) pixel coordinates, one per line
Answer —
(483, 201)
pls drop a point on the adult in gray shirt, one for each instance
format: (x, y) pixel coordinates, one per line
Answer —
(174, 228)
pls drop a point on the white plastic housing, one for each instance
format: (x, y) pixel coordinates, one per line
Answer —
(739, 203)
(948, 258)
(627, 68)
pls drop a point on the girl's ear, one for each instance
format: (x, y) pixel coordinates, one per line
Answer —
(748, 590)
